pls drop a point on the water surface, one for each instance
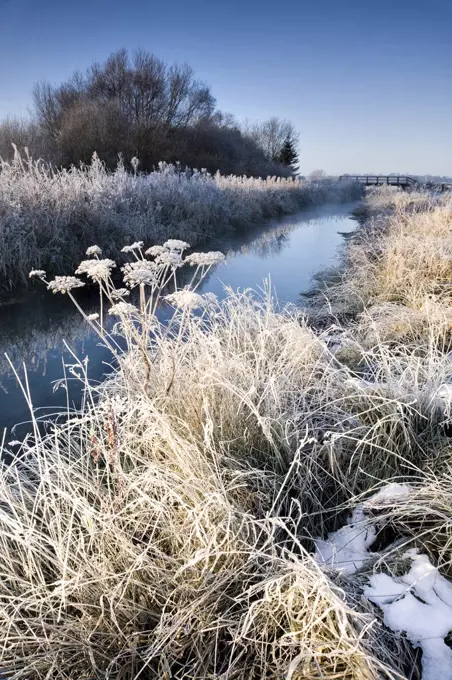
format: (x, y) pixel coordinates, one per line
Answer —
(37, 329)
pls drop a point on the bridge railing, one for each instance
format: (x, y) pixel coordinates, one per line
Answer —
(398, 180)
(403, 181)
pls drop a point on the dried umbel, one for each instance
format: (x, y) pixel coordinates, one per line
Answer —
(37, 274)
(185, 299)
(155, 251)
(205, 259)
(133, 246)
(64, 284)
(97, 270)
(176, 244)
(120, 293)
(171, 259)
(93, 250)
(122, 309)
(140, 272)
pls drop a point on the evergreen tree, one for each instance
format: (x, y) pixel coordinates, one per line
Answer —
(288, 155)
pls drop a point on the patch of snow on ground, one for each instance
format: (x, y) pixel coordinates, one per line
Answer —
(420, 605)
(347, 549)
(389, 492)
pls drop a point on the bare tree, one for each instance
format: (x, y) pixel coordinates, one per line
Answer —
(270, 135)
(24, 134)
(143, 107)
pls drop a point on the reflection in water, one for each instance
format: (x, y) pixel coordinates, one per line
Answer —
(35, 330)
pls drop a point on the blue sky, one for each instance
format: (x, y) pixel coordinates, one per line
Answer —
(367, 84)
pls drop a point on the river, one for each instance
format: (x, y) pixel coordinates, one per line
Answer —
(37, 328)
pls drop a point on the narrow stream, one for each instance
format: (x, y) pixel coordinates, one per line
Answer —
(37, 329)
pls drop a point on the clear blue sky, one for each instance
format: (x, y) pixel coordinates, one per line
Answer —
(367, 84)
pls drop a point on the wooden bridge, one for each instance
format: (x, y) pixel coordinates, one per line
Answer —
(403, 181)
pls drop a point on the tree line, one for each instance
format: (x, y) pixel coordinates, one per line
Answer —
(141, 107)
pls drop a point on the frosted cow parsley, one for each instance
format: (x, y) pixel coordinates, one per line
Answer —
(140, 272)
(185, 299)
(63, 284)
(97, 270)
(122, 309)
(155, 251)
(37, 274)
(175, 244)
(205, 259)
(94, 250)
(133, 246)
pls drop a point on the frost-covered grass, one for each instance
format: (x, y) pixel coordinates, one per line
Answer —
(397, 272)
(248, 496)
(49, 217)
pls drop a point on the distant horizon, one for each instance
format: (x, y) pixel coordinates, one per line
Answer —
(364, 85)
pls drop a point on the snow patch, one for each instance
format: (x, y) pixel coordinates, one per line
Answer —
(419, 604)
(389, 492)
(347, 549)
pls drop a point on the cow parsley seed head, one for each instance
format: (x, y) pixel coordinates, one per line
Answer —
(93, 250)
(97, 270)
(210, 298)
(171, 259)
(155, 251)
(122, 309)
(140, 272)
(185, 299)
(205, 259)
(133, 246)
(63, 284)
(119, 293)
(176, 244)
(37, 274)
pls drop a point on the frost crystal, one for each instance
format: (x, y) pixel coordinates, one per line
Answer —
(92, 317)
(63, 284)
(98, 270)
(205, 259)
(94, 250)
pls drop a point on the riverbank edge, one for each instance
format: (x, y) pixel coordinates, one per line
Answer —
(385, 437)
(49, 218)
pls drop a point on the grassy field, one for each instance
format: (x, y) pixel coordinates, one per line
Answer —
(49, 217)
(244, 497)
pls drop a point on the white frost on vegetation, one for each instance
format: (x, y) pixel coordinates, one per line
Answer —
(348, 548)
(419, 604)
(185, 299)
(93, 250)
